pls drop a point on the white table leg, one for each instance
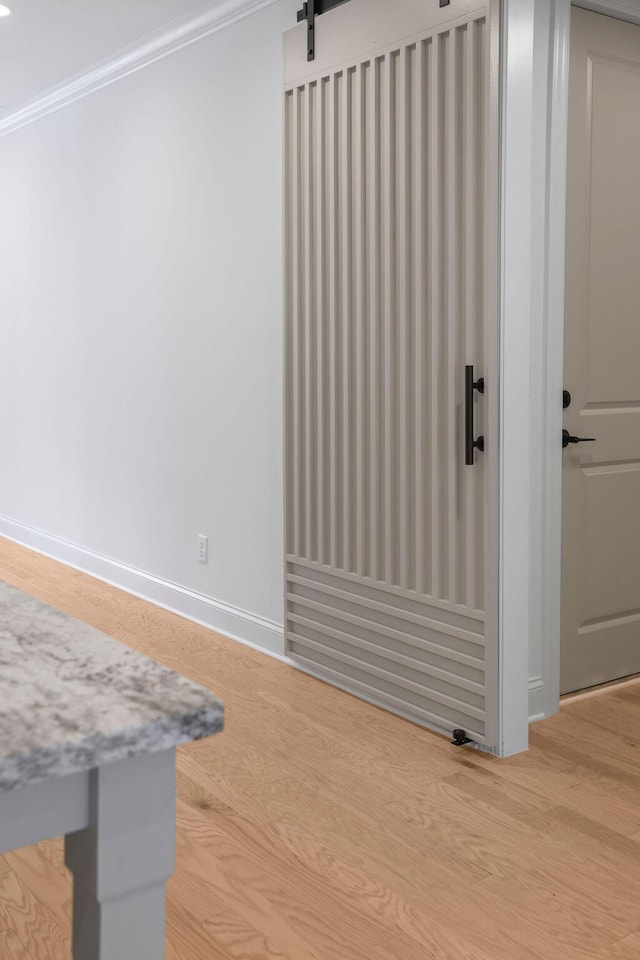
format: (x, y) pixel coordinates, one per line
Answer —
(121, 862)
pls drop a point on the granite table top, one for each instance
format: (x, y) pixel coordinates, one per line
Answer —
(72, 698)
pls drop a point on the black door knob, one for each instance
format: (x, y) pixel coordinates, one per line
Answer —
(567, 439)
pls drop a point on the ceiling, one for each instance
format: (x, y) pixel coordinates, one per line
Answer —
(44, 42)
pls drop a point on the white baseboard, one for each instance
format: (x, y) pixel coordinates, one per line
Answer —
(247, 628)
(537, 706)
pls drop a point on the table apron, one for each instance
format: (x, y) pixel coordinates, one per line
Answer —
(40, 811)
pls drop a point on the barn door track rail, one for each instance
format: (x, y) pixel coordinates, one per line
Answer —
(315, 8)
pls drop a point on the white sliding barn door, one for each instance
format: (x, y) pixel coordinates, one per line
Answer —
(391, 249)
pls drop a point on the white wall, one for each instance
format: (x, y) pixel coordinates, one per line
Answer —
(141, 329)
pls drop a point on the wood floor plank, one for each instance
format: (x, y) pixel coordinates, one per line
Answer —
(187, 938)
(240, 940)
(318, 807)
(598, 751)
(523, 853)
(191, 886)
(610, 714)
(318, 827)
(27, 929)
(250, 853)
(409, 920)
(47, 881)
(232, 783)
(626, 949)
(284, 903)
(548, 928)
(366, 773)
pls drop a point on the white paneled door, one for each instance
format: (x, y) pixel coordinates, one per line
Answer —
(601, 477)
(391, 250)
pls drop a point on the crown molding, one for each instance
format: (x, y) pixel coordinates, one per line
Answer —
(153, 47)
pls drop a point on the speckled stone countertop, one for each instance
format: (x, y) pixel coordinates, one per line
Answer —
(72, 698)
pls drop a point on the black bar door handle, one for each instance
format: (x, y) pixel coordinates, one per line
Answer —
(567, 439)
(471, 442)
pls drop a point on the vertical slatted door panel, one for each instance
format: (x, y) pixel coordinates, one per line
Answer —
(387, 292)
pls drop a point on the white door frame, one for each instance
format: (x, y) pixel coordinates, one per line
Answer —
(534, 182)
(516, 319)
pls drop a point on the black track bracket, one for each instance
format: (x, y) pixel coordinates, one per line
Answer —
(308, 13)
(310, 10)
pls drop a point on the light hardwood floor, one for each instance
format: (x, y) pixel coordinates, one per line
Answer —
(320, 828)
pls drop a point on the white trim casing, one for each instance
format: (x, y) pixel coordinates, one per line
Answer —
(537, 699)
(516, 322)
(155, 46)
(237, 624)
(554, 164)
(548, 187)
